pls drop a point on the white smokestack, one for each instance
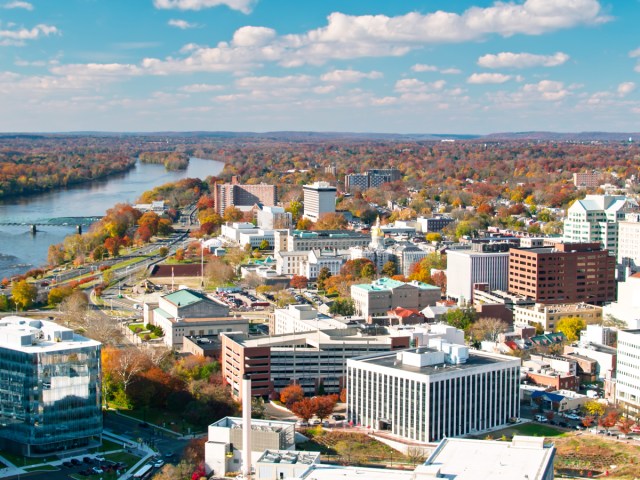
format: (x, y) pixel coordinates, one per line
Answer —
(246, 425)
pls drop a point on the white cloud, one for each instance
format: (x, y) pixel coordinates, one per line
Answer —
(20, 36)
(413, 85)
(485, 78)
(97, 70)
(451, 71)
(245, 6)
(201, 88)
(266, 82)
(635, 53)
(421, 67)
(522, 60)
(626, 88)
(349, 76)
(18, 4)
(547, 90)
(181, 24)
(253, 36)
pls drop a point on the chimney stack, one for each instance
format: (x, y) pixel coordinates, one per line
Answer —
(246, 425)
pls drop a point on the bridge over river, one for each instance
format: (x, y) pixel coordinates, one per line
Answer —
(33, 225)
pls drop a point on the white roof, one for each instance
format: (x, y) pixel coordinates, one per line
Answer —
(36, 336)
(334, 472)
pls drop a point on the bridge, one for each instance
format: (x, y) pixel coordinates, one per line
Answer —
(33, 225)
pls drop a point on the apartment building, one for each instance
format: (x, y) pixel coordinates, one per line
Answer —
(237, 195)
(375, 299)
(549, 315)
(587, 179)
(428, 393)
(596, 218)
(371, 179)
(627, 305)
(628, 372)
(310, 359)
(319, 198)
(465, 268)
(434, 224)
(50, 389)
(564, 273)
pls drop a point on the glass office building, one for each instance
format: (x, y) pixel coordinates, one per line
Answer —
(50, 392)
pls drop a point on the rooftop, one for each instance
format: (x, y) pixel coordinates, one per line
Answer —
(37, 336)
(288, 456)
(389, 284)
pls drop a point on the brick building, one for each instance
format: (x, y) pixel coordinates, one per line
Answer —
(564, 273)
(234, 194)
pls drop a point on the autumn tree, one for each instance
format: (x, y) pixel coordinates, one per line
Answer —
(305, 408)
(58, 294)
(325, 405)
(218, 272)
(594, 408)
(625, 424)
(358, 267)
(389, 269)
(488, 329)
(331, 221)
(24, 294)
(291, 394)
(323, 275)
(232, 214)
(610, 418)
(571, 327)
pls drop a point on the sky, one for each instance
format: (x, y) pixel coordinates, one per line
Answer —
(403, 66)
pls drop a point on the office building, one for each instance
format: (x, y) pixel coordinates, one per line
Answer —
(271, 218)
(595, 219)
(319, 198)
(429, 393)
(302, 240)
(301, 318)
(308, 263)
(564, 273)
(629, 243)
(465, 268)
(375, 299)
(627, 305)
(628, 372)
(549, 315)
(246, 234)
(243, 196)
(587, 179)
(405, 255)
(434, 224)
(50, 390)
(310, 359)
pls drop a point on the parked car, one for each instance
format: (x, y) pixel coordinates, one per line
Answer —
(158, 463)
(97, 470)
(541, 419)
(572, 416)
(75, 461)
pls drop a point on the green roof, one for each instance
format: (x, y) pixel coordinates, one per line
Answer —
(184, 297)
(389, 283)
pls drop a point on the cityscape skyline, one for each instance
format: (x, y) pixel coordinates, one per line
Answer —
(473, 67)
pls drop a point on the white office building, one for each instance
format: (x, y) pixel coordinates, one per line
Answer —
(319, 198)
(429, 393)
(629, 242)
(595, 219)
(627, 305)
(272, 217)
(467, 267)
(628, 372)
(302, 318)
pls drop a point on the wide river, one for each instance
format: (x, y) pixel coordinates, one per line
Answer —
(20, 250)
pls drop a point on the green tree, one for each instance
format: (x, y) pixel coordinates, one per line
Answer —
(368, 271)
(342, 306)
(5, 304)
(58, 294)
(461, 318)
(322, 277)
(295, 208)
(389, 269)
(264, 244)
(571, 327)
(24, 294)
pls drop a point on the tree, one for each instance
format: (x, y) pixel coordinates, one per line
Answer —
(305, 408)
(325, 405)
(218, 272)
(264, 245)
(323, 275)
(368, 271)
(342, 306)
(304, 224)
(354, 268)
(433, 237)
(299, 282)
(625, 425)
(98, 253)
(232, 214)
(143, 234)
(610, 419)
(58, 294)
(331, 221)
(24, 294)
(488, 329)
(593, 407)
(291, 394)
(571, 327)
(112, 244)
(55, 255)
(389, 269)
(461, 318)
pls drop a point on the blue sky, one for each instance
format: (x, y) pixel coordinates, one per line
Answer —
(325, 65)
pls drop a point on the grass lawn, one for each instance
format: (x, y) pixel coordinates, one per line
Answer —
(20, 461)
(162, 418)
(134, 326)
(531, 429)
(42, 468)
(128, 458)
(108, 445)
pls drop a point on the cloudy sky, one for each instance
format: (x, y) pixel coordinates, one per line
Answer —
(401, 66)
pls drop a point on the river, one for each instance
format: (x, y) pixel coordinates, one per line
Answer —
(20, 250)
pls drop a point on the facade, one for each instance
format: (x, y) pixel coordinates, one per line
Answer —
(465, 268)
(605, 358)
(189, 313)
(50, 390)
(302, 240)
(244, 233)
(405, 255)
(310, 359)
(371, 179)
(629, 242)
(595, 219)
(429, 393)
(375, 299)
(587, 179)
(308, 263)
(564, 273)
(559, 373)
(236, 195)
(627, 305)
(319, 198)
(549, 315)
(301, 318)
(434, 224)
(272, 217)
(628, 372)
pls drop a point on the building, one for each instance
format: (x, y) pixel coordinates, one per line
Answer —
(245, 233)
(50, 389)
(272, 217)
(308, 263)
(224, 446)
(429, 393)
(310, 359)
(587, 179)
(371, 179)
(559, 373)
(549, 315)
(405, 255)
(301, 318)
(595, 219)
(629, 242)
(434, 224)
(564, 273)
(375, 299)
(465, 268)
(319, 198)
(302, 240)
(559, 401)
(189, 313)
(628, 372)
(627, 306)
(237, 195)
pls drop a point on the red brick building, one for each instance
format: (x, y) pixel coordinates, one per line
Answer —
(234, 194)
(564, 273)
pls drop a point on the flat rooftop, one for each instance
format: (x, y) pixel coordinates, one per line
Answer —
(36, 336)
(335, 472)
(312, 339)
(476, 359)
(289, 457)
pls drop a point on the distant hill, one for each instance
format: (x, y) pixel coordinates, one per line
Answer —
(564, 137)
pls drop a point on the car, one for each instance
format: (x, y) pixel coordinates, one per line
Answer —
(87, 460)
(563, 424)
(97, 470)
(67, 464)
(579, 427)
(169, 455)
(75, 461)
(302, 424)
(338, 417)
(572, 416)
(541, 419)
(100, 458)
(158, 463)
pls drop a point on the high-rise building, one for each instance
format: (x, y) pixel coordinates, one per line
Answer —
(628, 372)
(429, 393)
(564, 273)
(595, 219)
(50, 391)
(629, 242)
(587, 179)
(319, 198)
(371, 179)
(237, 195)
(465, 268)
